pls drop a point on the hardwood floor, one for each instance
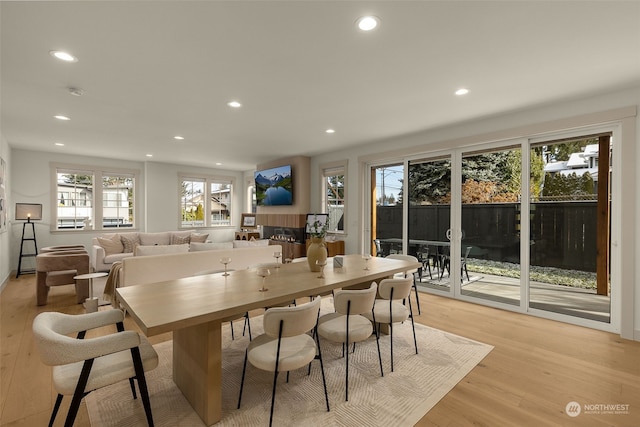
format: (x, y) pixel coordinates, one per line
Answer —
(537, 367)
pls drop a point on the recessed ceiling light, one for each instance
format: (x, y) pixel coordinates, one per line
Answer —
(218, 164)
(367, 23)
(178, 137)
(63, 56)
(75, 91)
(149, 155)
(62, 117)
(330, 131)
(234, 104)
(462, 91)
(59, 144)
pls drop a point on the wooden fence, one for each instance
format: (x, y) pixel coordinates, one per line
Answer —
(563, 234)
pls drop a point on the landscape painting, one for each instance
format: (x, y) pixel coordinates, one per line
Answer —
(274, 186)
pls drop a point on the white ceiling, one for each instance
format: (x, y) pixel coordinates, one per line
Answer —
(152, 70)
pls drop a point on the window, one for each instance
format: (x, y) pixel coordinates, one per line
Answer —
(334, 180)
(205, 201)
(117, 200)
(81, 204)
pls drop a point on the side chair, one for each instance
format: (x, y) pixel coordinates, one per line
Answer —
(389, 308)
(285, 345)
(409, 273)
(347, 325)
(82, 365)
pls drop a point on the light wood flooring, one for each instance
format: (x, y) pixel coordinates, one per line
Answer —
(537, 367)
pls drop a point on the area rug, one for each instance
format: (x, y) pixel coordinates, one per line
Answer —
(401, 397)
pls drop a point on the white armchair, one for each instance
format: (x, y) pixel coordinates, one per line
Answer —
(83, 365)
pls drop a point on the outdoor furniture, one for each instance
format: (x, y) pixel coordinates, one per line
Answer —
(446, 264)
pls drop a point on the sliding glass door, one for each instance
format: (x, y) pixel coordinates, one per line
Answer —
(490, 239)
(429, 219)
(522, 225)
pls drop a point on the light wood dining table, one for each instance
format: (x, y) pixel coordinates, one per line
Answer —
(194, 308)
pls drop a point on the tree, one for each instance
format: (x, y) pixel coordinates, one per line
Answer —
(568, 187)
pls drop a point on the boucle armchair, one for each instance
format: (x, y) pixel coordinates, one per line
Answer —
(59, 268)
(82, 365)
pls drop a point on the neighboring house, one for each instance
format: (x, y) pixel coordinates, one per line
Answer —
(76, 204)
(578, 163)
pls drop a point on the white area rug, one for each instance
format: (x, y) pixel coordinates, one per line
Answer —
(399, 398)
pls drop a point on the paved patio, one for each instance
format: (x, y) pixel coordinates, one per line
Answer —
(583, 303)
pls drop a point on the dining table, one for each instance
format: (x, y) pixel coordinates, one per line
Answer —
(194, 308)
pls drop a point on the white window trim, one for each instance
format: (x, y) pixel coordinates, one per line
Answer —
(98, 172)
(208, 179)
(340, 167)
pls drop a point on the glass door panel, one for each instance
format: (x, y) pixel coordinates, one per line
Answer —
(429, 198)
(386, 219)
(569, 227)
(490, 222)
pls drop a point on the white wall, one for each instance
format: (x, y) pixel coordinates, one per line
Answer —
(553, 117)
(162, 190)
(5, 238)
(156, 199)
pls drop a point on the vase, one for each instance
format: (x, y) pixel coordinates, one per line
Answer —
(317, 251)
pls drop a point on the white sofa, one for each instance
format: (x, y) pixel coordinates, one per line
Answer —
(139, 270)
(112, 247)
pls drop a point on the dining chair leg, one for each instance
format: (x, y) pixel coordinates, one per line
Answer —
(373, 315)
(415, 288)
(56, 407)
(319, 356)
(79, 393)
(346, 376)
(247, 324)
(133, 388)
(413, 326)
(244, 370)
(142, 384)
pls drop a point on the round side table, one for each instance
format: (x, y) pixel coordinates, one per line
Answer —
(91, 303)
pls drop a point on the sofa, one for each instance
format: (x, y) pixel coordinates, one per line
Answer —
(112, 247)
(138, 270)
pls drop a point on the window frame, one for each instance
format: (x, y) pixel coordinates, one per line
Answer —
(96, 200)
(207, 181)
(328, 170)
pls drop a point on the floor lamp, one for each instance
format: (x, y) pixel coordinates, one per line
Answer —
(28, 212)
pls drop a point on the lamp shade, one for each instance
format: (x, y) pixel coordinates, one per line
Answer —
(28, 211)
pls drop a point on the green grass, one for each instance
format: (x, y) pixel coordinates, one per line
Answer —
(551, 275)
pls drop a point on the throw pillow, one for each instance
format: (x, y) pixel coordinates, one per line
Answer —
(180, 240)
(151, 239)
(111, 246)
(129, 242)
(199, 238)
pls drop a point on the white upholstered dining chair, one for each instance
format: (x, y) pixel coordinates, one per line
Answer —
(347, 325)
(81, 365)
(390, 309)
(285, 345)
(409, 273)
